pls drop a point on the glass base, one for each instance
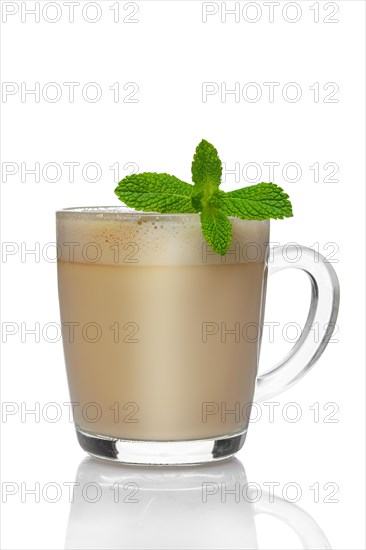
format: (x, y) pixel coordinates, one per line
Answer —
(161, 453)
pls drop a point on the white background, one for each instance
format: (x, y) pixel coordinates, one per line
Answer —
(169, 53)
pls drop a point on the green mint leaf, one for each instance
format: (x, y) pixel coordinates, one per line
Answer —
(206, 169)
(152, 192)
(257, 202)
(216, 229)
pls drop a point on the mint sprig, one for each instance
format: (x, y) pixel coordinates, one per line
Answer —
(152, 192)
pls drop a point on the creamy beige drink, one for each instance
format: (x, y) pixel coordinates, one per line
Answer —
(160, 334)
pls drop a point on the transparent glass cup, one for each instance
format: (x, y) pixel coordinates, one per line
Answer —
(162, 336)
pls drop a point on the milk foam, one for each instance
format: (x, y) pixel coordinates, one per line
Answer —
(119, 235)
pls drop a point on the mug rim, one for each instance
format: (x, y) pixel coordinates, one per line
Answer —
(124, 210)
(119, 209)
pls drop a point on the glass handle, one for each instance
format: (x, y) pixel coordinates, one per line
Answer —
(323, 313)
(306, 528)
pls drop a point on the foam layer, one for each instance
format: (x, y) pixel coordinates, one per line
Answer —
(119, 235)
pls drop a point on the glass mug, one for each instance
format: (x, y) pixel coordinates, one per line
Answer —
(162, 336)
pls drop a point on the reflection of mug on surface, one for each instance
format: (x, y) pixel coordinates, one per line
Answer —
(162, 336)
(117, 506)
